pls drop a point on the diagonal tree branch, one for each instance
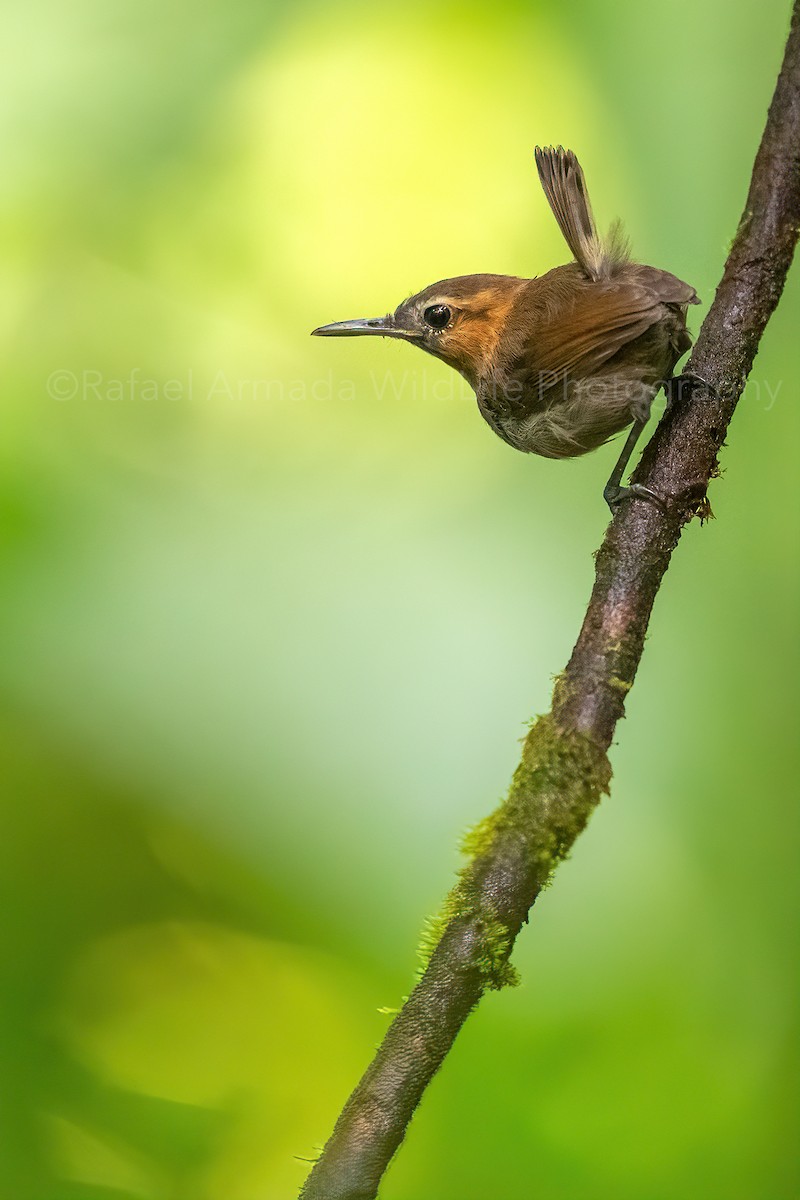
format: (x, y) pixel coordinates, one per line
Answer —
(564, 768)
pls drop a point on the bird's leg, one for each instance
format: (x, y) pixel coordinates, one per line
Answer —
(613, 492)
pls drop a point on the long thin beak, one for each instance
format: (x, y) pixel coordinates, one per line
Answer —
(377, 326)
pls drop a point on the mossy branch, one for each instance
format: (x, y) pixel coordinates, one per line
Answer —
(564, 769)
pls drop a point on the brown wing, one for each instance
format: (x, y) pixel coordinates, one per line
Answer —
(597, 326)
(663, 286)
(575, 331)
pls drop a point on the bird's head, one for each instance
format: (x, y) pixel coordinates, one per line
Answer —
(458, 320)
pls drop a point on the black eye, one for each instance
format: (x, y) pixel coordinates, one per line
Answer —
(437, 316)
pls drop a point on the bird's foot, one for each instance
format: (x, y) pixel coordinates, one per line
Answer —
(679, 386)
(613, 495)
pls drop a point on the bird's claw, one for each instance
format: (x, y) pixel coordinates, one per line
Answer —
(673, 387)
(614, 495)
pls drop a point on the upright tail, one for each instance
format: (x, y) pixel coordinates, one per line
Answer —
(565, 187)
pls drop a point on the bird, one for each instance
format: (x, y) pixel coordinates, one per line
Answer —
(561, 362)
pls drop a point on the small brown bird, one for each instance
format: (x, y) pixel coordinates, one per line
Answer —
(562, 362)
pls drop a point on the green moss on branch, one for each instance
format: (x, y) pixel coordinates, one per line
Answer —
(558, 782)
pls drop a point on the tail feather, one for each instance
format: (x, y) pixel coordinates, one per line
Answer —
(565, 188)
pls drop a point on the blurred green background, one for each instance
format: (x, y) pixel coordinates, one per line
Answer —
(275, 612)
